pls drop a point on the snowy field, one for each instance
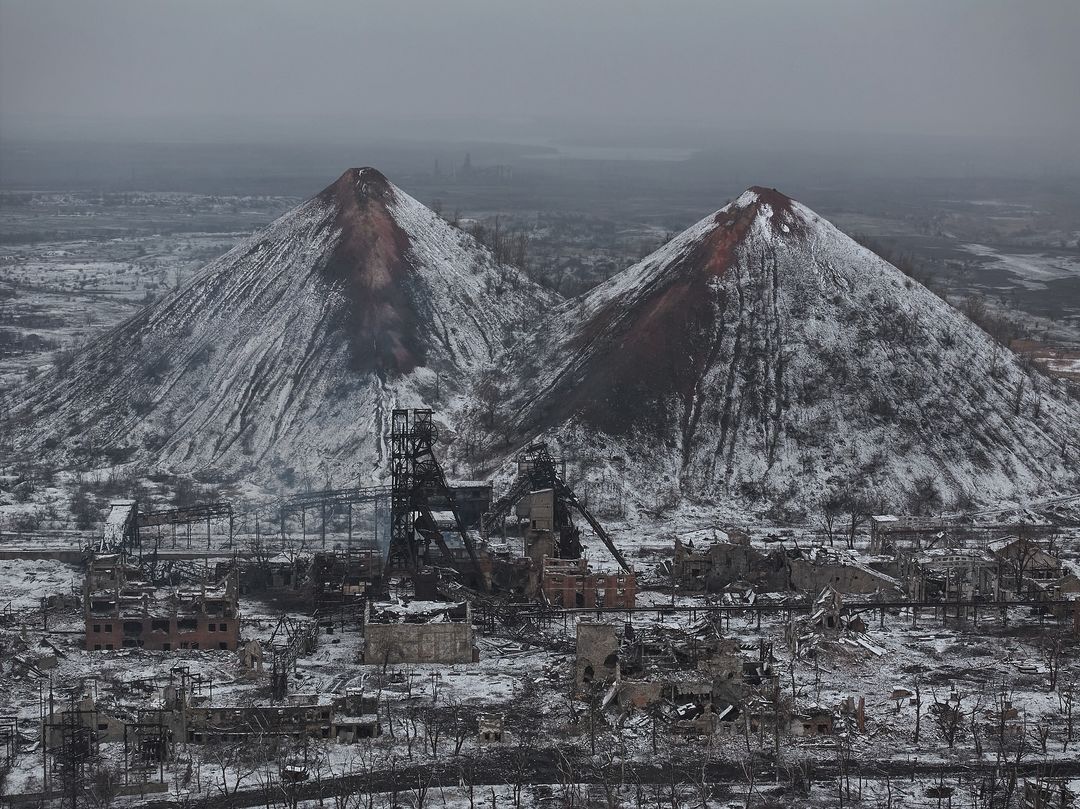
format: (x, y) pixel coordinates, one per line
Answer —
(1032, 270)
(75, 264)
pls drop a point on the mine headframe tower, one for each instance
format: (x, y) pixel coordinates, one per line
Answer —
(419, 487)
(537, 471)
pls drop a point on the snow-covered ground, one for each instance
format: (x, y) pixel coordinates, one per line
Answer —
(1030, 269)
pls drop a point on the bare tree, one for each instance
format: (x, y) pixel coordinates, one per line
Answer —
(103, 788)
(976, 739)
(1002, 710)
(832, 506)
(918, 710)
(859, 507)
(421, 783)
(949, 716)
(234, 764)
(748, 773)
(1051, 651)
(609, 771)
(435, 722)
(1066, 697)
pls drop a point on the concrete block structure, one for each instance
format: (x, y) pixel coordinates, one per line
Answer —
(727, 558)
(421, 632)
(597, 657)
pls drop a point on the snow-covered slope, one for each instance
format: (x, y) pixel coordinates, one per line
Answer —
(290, 350)
(762, 355)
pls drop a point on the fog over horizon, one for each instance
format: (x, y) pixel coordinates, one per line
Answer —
(687, 74)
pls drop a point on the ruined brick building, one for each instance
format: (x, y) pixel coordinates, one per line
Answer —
(121, 611)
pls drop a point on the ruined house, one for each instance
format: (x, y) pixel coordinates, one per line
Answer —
(828, 621)
(1067, 588)
(490, 728)
(813, 720)
(355, 716)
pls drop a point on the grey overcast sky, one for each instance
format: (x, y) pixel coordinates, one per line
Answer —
(325, 68)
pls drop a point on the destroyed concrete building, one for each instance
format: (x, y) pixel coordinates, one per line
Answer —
(490, 728)
(699, 678)
(355, 717)
(345, 580)
(1024, 560)
(821, 567)
(979, 571)
(199, 719)
(731, 559)
(597, 656)
(813, 720)
(829, 621)
(550, 564)
(85, 712)
(889, 532)
(473, 500)
(318, 716)
(121, 525)
(121, 611)
(419, 632)
(282, 573)
(726, 559)
(949, 574)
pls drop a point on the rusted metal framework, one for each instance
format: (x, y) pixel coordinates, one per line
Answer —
(147, 741)
(186, 515)
(326, 501)
(419, 487)
(404, 550)
(71, 740)
(9, 740)
(537, 471)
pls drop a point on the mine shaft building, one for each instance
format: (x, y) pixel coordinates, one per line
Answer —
(473, 500)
